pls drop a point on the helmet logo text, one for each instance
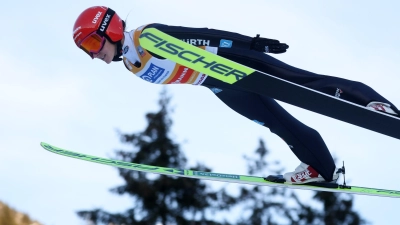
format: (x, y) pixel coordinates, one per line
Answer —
(103, 26)
(96, 17)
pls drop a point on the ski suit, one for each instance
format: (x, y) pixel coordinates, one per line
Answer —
(305, 142)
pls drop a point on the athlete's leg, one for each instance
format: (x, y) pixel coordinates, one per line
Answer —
(352, 91)
(305, 142)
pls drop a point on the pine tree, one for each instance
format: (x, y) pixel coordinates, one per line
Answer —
(158, 198)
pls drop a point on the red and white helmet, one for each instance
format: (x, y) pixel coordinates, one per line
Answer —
(93, 25)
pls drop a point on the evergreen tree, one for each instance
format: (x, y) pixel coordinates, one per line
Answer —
(159, 198)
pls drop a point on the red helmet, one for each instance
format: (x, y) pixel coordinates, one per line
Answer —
(100, 20)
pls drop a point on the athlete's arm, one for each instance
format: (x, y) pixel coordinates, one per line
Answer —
(219, 38)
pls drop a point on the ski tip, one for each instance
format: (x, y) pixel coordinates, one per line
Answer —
(44, 145)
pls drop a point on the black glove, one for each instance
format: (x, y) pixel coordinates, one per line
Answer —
(268, 45)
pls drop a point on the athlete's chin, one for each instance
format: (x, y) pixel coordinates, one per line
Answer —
(108, 60)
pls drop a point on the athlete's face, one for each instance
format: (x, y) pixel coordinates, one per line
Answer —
(107, 53)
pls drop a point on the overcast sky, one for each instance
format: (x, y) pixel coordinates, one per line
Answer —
(50, 91)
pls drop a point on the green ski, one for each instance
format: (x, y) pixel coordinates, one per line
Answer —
(231, 178)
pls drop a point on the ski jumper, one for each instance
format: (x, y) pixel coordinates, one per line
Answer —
(305, 142)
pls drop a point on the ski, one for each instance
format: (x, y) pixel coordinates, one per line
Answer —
(230, 178)
(265, 84)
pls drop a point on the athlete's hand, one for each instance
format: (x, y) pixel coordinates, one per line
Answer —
(268, 45)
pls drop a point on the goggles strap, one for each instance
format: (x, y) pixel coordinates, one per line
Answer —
(105, 22)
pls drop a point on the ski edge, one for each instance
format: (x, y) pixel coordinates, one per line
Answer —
(222, 177)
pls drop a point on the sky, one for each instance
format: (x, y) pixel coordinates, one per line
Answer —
(50, 91)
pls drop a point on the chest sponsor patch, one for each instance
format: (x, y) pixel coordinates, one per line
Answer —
(152, 73)
(182, 75)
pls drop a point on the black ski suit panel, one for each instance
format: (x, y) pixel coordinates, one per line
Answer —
(241, 52)
(349, 90)
(306, 143)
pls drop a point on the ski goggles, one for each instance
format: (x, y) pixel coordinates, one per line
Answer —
(92, 44)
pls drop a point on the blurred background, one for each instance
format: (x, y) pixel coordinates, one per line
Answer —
(51, 92)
